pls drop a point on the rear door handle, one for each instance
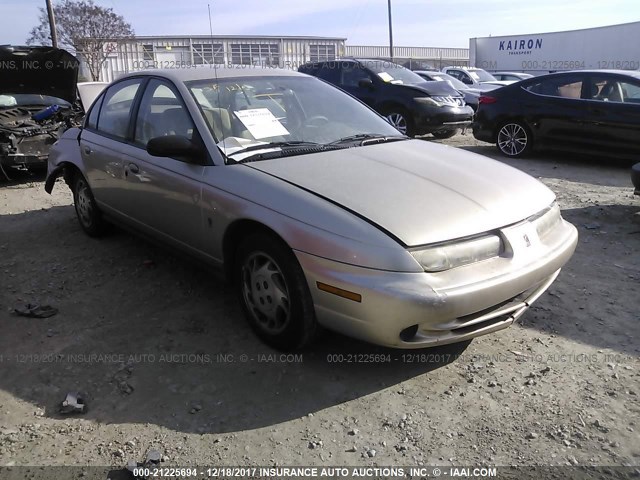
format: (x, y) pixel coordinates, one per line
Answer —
(133, 168)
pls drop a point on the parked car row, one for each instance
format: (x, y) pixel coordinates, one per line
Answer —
(318, 210)
(411, 104)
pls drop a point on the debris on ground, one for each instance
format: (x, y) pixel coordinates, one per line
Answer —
(154, 457)
(35, 311)
(73, 403)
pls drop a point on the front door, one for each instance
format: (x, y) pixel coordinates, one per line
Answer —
(164, 195)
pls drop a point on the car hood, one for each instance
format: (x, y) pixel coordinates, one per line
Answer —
(433, 88)
(89, 91)
(39, 70)
(417, 192)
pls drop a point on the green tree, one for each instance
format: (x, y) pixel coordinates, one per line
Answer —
(88, 29)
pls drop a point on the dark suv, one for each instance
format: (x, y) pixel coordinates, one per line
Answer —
(411, 104)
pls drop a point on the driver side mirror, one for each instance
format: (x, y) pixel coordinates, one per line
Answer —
(365, 83)
(176, 146)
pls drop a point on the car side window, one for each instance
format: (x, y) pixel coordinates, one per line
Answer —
(161, 113)
(612, 89)
(330, 72)
(566, 86)
(351, 74)
(92, 118)
(115, 113)
(454, 74)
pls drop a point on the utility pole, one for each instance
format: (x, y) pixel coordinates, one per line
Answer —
(52, 25)
(390, 32)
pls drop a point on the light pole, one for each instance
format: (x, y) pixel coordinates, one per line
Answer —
(390, 32)
(52, 25)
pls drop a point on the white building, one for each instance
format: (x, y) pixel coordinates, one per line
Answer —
(610, 47)
(144, 52)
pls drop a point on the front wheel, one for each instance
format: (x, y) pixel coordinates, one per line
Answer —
(273, 292)
(442, 134)
(401, 120)
(514, 139)
(89, 216)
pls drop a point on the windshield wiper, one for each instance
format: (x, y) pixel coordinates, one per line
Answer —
(266, 146)
(367, 138)
(285, 149)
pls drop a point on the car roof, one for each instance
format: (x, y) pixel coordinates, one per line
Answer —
(630, 73)
(470, 69)
(209, 72)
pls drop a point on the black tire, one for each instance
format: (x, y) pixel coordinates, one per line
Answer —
(401, 120)
(514, 139)
(87, 211)
(273, 292)
(442, 134)
(635, 177)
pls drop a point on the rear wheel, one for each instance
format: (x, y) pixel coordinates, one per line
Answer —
(442, 134)
(635, 177)
(87, 211)
(273, 292)
(514, 139)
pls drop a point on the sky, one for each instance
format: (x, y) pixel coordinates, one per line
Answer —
(424, 23)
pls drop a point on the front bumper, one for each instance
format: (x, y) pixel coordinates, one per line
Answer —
(416, 310)
(26, 152)
(433, 119)
(23, 161)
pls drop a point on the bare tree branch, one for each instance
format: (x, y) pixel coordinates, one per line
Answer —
(84, 27)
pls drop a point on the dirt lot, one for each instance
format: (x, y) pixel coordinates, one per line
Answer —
(166, 361)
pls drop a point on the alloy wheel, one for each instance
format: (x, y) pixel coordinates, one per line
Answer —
(398, 121)
(512, 139)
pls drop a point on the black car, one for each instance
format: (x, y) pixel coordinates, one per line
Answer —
(590, 111)
(37, 102)
(412, 105)
(471, 95)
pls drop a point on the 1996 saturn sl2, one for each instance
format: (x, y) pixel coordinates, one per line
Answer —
(315, 206)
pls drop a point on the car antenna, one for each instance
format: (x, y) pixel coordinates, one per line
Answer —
(215, 68)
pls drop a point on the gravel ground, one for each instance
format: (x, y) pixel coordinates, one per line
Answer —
(163, 356)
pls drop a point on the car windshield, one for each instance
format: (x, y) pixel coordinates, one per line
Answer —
(392, 72)
(482, 75)
(245, 114)
(454, 82)
(24, 100)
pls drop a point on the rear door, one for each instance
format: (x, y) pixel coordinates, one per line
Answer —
(558, 110)
(614, 113)
(104, 143)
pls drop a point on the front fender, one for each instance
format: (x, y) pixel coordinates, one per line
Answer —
(64, 154)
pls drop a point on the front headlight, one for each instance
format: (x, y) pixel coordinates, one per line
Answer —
(547, 220)
(428, 101)
(446, 256)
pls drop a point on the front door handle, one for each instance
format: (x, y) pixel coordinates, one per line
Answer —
(133, 168)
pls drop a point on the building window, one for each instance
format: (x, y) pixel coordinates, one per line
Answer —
(263, 54)
(208, 53)
(147, 52)
(322, 53)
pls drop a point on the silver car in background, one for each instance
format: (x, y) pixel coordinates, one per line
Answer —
(317, 209)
